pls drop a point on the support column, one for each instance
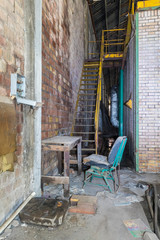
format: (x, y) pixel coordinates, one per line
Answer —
(38, 96)
(121, 103)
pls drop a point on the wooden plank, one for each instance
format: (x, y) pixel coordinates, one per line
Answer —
(75, 143)
(66, 172)
(65, 140)
(60, 162)
(50, 147)
(73, 161)
(55, 179)
(79, 157)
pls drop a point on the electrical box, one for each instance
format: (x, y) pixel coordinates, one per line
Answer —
(18, 85)
(18, 91)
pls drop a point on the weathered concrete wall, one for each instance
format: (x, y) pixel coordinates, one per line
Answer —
(64, 44)
(11, 61)
(129, 90)
(17, 54)
(149, 91)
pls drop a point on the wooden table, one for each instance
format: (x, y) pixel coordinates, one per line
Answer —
(63, 144)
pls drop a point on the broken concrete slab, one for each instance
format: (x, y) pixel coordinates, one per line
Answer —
(83, 204)
(45, 212)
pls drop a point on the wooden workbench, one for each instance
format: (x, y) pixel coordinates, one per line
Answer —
(63, 144)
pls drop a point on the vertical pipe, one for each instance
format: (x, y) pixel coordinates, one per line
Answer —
(137, 94)
(38, 96)
(121, 103)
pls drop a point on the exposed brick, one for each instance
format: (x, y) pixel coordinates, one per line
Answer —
(63, 54)
(149, 90)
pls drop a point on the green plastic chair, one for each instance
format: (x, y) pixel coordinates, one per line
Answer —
(105, 170)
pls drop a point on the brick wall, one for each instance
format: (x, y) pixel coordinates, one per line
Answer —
(149, 91)
(11, 61)
(63, 56)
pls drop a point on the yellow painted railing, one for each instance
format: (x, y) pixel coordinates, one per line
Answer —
(99, 92)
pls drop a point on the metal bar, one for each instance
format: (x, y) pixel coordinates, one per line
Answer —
(121, 104)
(99, 92)
(114, 30)
(129, 30)
(137, 92)
(94, 53)
(148, 4)
(106, 17)
(113, 44)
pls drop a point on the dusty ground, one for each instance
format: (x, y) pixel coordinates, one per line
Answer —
(107, 223)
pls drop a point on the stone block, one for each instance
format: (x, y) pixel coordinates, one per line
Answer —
(45, 212)
(83, 204)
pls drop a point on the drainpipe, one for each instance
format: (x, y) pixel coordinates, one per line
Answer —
(121, 103)
(38, 97)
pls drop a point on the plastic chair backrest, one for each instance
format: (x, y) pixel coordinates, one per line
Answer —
(117, 150)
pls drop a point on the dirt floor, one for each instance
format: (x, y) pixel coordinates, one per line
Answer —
(107, 223)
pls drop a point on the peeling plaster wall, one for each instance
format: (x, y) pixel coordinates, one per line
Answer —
(12, 186)
(17, 54)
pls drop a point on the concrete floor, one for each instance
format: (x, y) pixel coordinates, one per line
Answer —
(107, 223)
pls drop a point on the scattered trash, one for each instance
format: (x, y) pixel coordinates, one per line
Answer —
(137, 188)
(76, 190)
(136, 227)
(121, 202)
(24, 225)
(15, 223)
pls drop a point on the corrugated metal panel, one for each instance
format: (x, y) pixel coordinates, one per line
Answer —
(129, 80)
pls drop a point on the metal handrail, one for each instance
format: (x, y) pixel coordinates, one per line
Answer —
(104, 43)
(99, 92)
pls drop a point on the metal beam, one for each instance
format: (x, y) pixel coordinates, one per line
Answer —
(106, 17)
(90, 10)
(121, 103)
(148, 4)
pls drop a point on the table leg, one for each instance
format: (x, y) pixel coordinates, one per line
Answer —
(79, 157)
(60, 162)
(66, 172)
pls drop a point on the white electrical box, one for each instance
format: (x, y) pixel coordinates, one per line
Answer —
(18, 85)
(18, 91)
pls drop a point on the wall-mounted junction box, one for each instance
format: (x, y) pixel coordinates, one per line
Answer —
(18, 87)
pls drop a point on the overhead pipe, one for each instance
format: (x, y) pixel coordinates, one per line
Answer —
(121, 103)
